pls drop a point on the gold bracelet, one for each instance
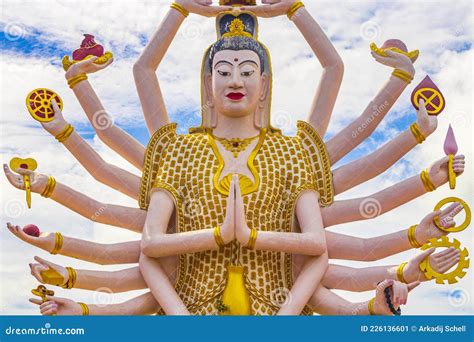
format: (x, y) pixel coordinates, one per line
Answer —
(427, 183)
(65, 133)
(180, 9)
(411, 237)
(403, 75)
(400, 272)
(58, 243)
(76, 79)
(48, 190)
(415, 129)
(252, 239)
(71, 281)
(85, 309)
(370, 306)
(296, 6)
(218, 237)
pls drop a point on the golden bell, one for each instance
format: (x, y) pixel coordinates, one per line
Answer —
(236, 297)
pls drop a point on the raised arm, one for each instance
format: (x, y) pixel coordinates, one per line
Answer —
(110, 214)
(310, 241)
(114, 137)
(348, 247)
(372, 165)
(362, 127)
(365, 279)
(144, 70)
(108, 174)
(98, 253)
(371, 206)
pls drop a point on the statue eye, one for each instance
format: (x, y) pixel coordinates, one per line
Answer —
(223, 73)
(247, 73)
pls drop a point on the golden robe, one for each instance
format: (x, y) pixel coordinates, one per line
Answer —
(189, 167)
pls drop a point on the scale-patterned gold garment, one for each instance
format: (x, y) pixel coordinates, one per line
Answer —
(186, 166)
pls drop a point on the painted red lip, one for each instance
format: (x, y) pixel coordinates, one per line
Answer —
(235, 96)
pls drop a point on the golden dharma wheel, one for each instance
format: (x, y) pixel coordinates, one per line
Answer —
(38, 103)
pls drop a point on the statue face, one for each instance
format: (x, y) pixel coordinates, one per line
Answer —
(237, 84)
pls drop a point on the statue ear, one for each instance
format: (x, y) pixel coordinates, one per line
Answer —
(264, 92)
(209, 100)
(258, 117)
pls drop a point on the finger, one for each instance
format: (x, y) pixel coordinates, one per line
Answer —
(411, 286)
(24, 172)
(55, 106)
(260, 10)
(421, 105)
(447, 252)
(449, 209)
(56, 299)
(238, 195)
(47, 305)
(36, 301)
(45, 262)
(396, 292)
(49, 312)
(423, 255)
(448, 263)
(383, 285)
(459, 157)
(12, 178)
(447, 222)
(404, 295)
(213, 11)
(431, 216)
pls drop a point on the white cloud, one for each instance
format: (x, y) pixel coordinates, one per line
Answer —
(121, 25)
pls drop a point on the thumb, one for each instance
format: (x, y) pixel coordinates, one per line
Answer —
(384, 284)
(55, 106)
(411, 286)
(58, 300)
(24, 172)
(422, 256)
(431, 216)
(45, 262)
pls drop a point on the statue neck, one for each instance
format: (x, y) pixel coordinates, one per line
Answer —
(230, 127)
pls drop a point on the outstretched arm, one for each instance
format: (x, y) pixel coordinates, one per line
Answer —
(144, 304)
(116, 281)
(372, 165)
(362, 127)
(365, 279)
(110, 214)
(348, 247)
(98, 253)
(390, 198)
(108, 174)
(326, 302)
(114, 137)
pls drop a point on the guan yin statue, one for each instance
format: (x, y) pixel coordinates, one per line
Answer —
(258, 244)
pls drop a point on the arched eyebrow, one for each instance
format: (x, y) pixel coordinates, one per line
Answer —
(249, 61)
(217, 64)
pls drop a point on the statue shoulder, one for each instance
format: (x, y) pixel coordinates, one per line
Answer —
(316, 149)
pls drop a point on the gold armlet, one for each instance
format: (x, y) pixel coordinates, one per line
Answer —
(296, 6)
(411, 237)
(58, 243)
(180, 9)
(76, 79)
(425, 179)
(71, 279)
(370, 306)
(415, 129)
(400, 272)
(218, 237)
(85, 309)
(48, 190)
(252, 239)
(65, 133)
(403, 75)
